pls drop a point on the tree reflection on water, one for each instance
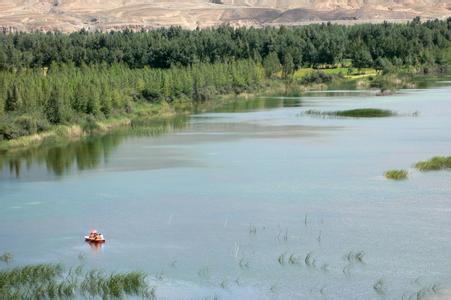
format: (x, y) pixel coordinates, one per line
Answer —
(85, 154)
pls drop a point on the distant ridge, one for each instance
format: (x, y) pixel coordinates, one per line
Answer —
(72, 15)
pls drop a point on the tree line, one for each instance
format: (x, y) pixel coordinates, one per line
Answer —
(366, 44)
(33, 99)
(54, 78)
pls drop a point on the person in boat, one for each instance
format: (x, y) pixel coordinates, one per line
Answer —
(99, 237)
(93, 234)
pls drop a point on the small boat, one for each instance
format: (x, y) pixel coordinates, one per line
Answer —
(95, 237)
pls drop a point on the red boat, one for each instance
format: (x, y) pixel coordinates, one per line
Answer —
(95, 237)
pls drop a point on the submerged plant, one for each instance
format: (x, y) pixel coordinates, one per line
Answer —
(244, 264)
(252, 229)
(396, 174)
(6, 257)
(352, 256)
(204, 272)
(354, 113)
(281, 259)
(325, 268)
(293, 259)
(310, 260)
(223, 284)
(434, 164)
(379, 286)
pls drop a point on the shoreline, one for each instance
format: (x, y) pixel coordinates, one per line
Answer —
(182, 107)
(149, 112)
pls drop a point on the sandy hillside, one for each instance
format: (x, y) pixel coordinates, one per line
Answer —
(70, 15)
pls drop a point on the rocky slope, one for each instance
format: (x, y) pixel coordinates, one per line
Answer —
(70, 15)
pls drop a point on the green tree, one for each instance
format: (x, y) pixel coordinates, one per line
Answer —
(272, 65)
(362, 59)
(13, 99)
(288, 67)
(56, 109)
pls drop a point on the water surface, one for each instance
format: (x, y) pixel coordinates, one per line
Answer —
(216, 204)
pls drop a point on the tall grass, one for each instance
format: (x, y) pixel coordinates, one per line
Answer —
(50, 281)
(6, 257)
(434, 164)
(379, 286)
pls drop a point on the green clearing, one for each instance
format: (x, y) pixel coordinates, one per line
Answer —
(346, 72)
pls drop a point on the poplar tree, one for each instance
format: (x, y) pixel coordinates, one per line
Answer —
(13, 99)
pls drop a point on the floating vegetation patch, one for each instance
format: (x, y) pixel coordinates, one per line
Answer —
(309, 260)
(434, 164)
(354, 113)
(379, 286)
(355, 257)
(426, 292)
(281, 259)
(6, 257)
(51, 281)
(396, 174)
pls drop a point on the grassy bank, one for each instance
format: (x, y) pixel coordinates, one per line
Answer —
(143, 114)
(161, 107)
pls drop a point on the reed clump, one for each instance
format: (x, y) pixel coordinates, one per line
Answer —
(51, 281)
(396, 174)
(354, 113)
(434, 164)
(6, 257)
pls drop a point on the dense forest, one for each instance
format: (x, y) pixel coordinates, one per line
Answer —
(36, 98)
(411, 43)
(55, 78)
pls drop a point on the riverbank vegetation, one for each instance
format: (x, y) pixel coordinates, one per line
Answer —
(355, 113)
(54, 84)
(434, 164)
(65, 94)
(396, 174)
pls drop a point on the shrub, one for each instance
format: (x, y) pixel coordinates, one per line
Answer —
(204, 94)
(150, 95)
(317, 77)
(90, 124)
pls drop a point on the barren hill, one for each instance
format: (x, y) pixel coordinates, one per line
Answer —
(70, 15)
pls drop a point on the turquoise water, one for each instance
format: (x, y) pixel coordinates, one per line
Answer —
(253, 201)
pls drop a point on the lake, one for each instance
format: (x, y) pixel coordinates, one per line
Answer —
(256, 200)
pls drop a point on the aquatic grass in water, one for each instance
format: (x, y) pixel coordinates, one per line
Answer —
(379, 286)
(6, 257)
(49, 281)
(434, 164)
(396, 174)
(354, 113)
